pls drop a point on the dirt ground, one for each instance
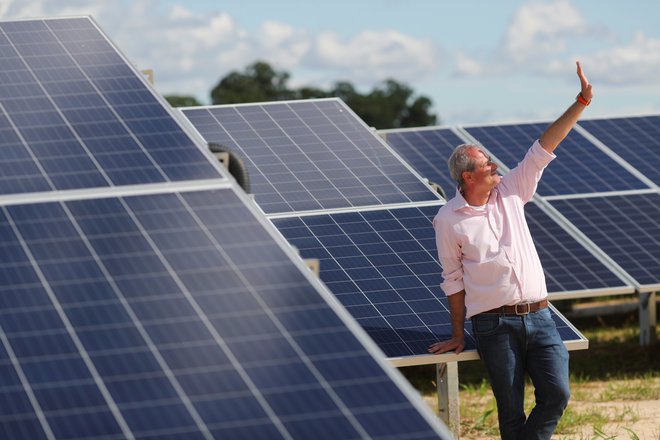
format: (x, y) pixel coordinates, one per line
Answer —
(642, 419)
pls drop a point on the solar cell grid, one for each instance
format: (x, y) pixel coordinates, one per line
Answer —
(309, 155)
(125, 334)
(382, 267)
(626, 228)
(636, 140)
(580, 167)
(74, 114)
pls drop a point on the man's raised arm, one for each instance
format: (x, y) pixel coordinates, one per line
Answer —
(559, 129)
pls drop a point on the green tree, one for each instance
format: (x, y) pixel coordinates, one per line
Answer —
(389, 105)
(258, 83)
(182, 101)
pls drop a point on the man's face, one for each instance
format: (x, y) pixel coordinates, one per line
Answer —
(485, 174)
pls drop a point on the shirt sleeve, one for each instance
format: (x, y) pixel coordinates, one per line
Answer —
(524, 178)
(450, 256)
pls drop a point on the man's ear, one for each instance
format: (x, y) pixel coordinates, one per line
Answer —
(467, 176)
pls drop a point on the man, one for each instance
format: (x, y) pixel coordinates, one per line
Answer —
(493, 276)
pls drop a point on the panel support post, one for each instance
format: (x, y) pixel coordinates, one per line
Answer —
(448, 408)
(647, 318)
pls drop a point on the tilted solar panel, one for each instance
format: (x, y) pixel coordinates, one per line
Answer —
(178, 316)
(635, 139)
(310, 155)
(580, 167)
(75, 114)
(382, 265)
(625, 227)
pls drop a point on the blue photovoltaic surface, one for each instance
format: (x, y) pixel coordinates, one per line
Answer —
(309, 155)
(177, 316)
(635, 139)
(427, 151)
(74, 114)
(580, 166)
(626, 228)
(568, 266)
(382, 266)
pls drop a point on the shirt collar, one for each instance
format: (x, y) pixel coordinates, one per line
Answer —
(459, 202)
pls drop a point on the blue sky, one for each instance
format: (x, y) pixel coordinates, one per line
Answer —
(479, 61)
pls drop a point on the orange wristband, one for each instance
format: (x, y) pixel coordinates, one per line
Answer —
(581, 100)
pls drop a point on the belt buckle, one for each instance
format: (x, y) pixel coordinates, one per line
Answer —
(524, 312)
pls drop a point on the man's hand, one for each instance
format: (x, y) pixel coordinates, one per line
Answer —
(585, 87)
(455, 343)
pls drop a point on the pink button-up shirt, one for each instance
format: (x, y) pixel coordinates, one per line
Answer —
(489, 252)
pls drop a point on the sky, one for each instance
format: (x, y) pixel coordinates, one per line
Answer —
(479, 61)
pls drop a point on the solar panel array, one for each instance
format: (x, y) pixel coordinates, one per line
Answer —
(310, 155)
(168, 310)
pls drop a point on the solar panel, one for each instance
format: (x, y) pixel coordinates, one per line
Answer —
(178, 315)
(625, 227)
(580, 167)
(427, 150)
(75, 114)
(310, 155)
(382, 266)
(635, 139)
(571, 270)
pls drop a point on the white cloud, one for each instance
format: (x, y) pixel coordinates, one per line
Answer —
(538, 34)
(636, 63)
(377, 55)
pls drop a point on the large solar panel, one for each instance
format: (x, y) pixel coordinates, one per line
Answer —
(382, 265)
(625, 227)
(310, 155)
(178, 316)
(427, 150)
(581, 167)
(75, 114)
(635, 139)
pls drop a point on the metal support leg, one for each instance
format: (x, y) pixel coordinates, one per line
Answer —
(448, 408)
(647, 318)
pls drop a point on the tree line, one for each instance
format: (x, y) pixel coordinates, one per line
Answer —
(389, 104)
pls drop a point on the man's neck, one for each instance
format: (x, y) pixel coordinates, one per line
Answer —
(476, 198)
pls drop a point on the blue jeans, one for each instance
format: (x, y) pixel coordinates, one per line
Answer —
(511, 346)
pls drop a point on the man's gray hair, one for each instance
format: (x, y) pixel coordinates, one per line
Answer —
(460, 161)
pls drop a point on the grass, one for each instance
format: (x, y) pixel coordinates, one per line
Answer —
(614, 368)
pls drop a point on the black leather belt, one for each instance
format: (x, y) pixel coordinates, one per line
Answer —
(520, 308)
